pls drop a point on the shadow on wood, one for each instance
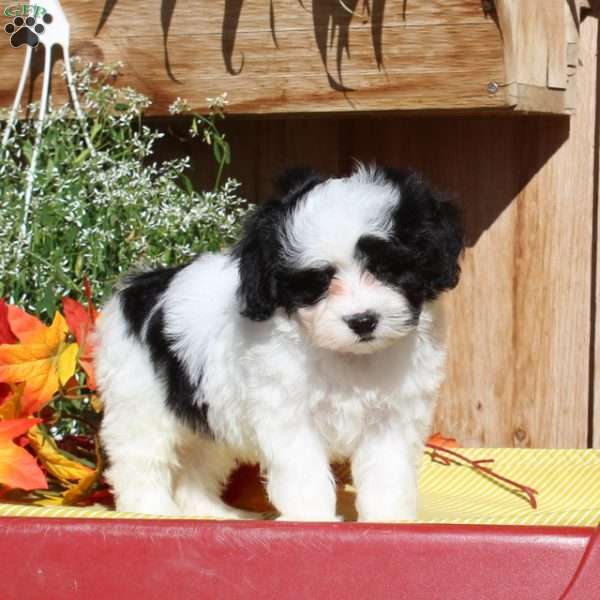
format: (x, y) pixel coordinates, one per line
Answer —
(482, 162)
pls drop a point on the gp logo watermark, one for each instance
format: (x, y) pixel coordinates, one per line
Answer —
(24, 10)
(29, 22)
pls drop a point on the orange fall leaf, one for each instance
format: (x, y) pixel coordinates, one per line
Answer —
(44, 362)
(18, 469)
(26, 327)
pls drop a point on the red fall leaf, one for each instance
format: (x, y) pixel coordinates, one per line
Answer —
(6, 333)
(81, 324)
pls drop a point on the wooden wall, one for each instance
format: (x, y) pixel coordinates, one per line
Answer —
(524, 345)
(521, 329)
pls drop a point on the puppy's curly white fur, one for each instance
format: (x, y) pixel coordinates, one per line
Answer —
(318, 337)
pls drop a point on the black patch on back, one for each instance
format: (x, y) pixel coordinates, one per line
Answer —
(181, 390)
(141, 292)
(139, 297)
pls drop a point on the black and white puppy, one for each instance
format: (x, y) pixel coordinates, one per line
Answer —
(317, 338)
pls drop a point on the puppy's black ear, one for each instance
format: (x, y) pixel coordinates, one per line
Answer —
(430, 226)
(448, 244)
(260, 252)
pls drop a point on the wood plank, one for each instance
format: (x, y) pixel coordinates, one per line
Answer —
(590, 88)
(558, 18)
(293, 78)
(127, 18)
(536, 45)
(522, 377)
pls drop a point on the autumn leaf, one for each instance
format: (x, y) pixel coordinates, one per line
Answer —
(6, 333)
(73, 495)
(18, 469)
(6, 337)
(78, 319)
(81, 323)
(56, 462)
(63, 467)
(26, 327)
(87, 290)
(437, 439)
(79, 491)
(44, 362)
(10, 408)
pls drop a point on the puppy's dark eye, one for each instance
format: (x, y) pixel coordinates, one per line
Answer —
(386, 259)
(307, 286)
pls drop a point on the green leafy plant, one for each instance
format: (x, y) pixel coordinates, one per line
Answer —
(101, 210)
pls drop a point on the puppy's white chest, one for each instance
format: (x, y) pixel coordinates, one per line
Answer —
(340, 417)
(350, 398)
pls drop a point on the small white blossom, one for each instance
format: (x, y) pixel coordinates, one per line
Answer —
(218, 103)
(180, 105)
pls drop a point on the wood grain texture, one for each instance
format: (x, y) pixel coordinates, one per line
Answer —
(404, 55)
(591, 88)
(536, 40)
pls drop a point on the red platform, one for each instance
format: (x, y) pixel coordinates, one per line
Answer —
(125, 559)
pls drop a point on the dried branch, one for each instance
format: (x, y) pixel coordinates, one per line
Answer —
(477, 465)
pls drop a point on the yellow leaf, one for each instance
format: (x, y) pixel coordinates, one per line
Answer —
(77, 492)
(49, 499)
(67, 362)
(74, 494)
(97, 403)
(56, 462)
(37, 363)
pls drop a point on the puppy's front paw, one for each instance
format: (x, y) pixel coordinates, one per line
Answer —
(387, 514)
(310, 518)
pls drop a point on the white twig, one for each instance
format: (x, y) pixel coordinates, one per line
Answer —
(15, 107)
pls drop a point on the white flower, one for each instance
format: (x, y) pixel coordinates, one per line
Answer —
(180, 105)
(218, 103)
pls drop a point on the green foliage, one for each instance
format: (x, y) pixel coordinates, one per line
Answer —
(99, 212)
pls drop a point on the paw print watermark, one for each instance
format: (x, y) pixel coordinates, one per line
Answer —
(27, 30)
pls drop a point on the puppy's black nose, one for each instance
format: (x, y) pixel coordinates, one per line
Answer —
(362, 323)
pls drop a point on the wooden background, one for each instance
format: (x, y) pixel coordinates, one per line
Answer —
(524, 355)
(523, 322)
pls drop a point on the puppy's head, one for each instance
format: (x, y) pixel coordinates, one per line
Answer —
(353, 259)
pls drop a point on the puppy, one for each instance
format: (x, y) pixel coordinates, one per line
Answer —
(317, 338)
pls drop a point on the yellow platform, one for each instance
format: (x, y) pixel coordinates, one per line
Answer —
(568, 482)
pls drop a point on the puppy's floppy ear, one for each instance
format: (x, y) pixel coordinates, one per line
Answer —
(260, 252)
(431, 227)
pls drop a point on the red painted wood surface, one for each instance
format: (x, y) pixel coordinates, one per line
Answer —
(131, 559)
(586, 582)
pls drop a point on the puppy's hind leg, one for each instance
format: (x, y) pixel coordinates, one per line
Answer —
(138, 432)
(141, 463)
